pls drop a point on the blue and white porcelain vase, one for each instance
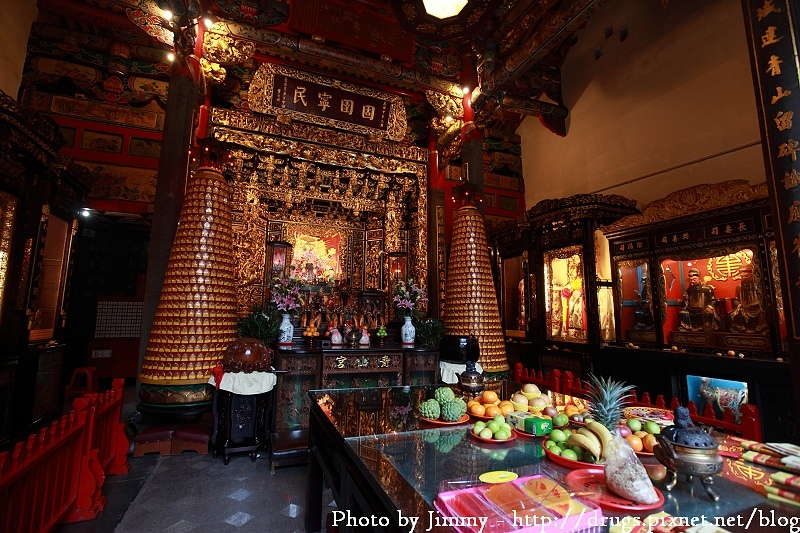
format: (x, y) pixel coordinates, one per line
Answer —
(408, 332)
(285, 332)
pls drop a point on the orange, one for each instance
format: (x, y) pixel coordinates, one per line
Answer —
(506, 402)
(649, 442)
(489, 396)
(477, 409)
(491, 410)
(472, 402)
(641, 434)
(506, 408)
(635, 442)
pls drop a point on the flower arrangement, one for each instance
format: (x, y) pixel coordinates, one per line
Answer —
(286, 294)
(408, 296)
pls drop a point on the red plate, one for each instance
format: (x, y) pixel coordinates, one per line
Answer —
(464, 418)
(482, 417)
(493, 441)
(593, 481)
(569, 463)
(528, 435)
(645, 454)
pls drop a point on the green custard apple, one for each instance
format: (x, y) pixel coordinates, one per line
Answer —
(444, 394)
(430, 409)
(453, 410)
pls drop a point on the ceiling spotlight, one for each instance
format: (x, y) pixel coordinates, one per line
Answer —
(466, 90)
(170, 57)
(85, 212)
(207, 22)
(167, 15)
(448, 119)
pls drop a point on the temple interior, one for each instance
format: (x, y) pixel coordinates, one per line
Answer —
(378, 194)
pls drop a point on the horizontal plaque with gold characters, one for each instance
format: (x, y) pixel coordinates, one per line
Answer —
(307, 97)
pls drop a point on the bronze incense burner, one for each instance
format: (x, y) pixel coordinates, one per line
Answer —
(689, 450)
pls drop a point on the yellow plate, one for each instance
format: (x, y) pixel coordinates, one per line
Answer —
(498, 476)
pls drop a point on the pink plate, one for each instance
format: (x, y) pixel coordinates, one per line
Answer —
(569, 463)
(493, 441)
(464, 419)
(593, 481)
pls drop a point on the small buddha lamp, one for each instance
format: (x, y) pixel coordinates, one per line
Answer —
(278, 258)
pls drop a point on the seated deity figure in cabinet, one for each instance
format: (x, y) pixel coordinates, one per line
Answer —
(698, 313)
(748, 313)
(644, 317)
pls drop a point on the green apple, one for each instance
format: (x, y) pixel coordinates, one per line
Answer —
(569, 454)
(634, 424)
(652, 428)
(486, 433)
(560, 420)
(557, 436)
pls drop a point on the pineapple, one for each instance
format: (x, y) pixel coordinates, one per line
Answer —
(607, 400)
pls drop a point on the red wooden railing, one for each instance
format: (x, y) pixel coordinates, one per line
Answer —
(57, 474)
(109, 437)
(550, 380)
(749, 425)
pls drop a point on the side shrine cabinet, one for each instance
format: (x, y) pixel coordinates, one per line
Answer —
(706, 282)
(571, 279)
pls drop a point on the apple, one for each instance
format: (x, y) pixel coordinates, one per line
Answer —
(652, 428)
(530, 388)
(550, 411)
(560, 420)
(634, 424)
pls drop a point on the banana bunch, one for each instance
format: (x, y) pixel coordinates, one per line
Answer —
(593, 438)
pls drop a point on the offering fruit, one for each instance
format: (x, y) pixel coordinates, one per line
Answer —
(311, 331)
(453, 409)
(552, 412)
(444, 404)
(496, 429)
(430, 409)
(561, 420)
(381, 332)
(634, 424)
(540, 402)
(635, 442)
(490, 397)
(652, 428)
(519, 398)
(530, 388)
(444, 394)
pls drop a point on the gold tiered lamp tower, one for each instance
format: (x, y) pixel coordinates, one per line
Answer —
(196, 316)
(470, 299)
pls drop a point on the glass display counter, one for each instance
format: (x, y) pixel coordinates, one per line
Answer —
(386, 465)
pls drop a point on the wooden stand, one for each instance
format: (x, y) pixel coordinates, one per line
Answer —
(241, 423)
